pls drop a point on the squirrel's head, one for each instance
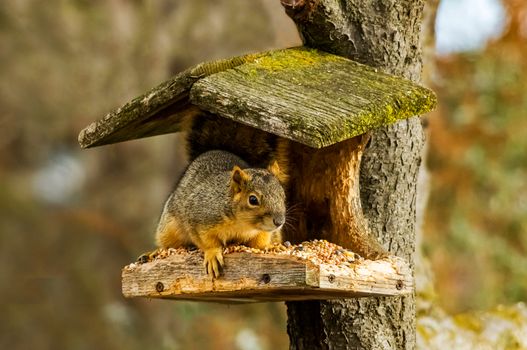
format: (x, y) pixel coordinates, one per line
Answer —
(259, 198)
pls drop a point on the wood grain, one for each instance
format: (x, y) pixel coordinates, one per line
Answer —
(302, 94)
(252, 277)
(162, 110)
(309, 96)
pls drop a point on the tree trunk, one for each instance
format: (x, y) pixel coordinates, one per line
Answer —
(383, 34)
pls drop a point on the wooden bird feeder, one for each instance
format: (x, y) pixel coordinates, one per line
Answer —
(325, 105)
(254, 277)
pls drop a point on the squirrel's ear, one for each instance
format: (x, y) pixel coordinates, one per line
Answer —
(274, 169)
(239, 178)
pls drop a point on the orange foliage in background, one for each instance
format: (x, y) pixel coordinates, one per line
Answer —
(476, 223)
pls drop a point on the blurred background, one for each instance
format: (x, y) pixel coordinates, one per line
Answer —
(70, 219)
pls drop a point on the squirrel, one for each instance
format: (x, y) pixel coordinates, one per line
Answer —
(219, 200)
(318, 204)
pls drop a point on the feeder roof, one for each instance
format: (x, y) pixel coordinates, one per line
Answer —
(301, 94)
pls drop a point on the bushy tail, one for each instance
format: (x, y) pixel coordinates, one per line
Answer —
(256, 147)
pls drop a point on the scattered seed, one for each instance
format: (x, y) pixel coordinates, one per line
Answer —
(317, 251)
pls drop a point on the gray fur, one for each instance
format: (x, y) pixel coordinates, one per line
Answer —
(203, 197)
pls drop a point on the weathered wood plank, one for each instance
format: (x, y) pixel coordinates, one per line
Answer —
(159, 111)
(309, 96)
(162, 110)
(253, 277)
(305, 95)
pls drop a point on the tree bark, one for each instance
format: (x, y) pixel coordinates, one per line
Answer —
(383, 34)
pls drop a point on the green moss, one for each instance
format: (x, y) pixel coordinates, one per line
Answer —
(207, 68)
(293, 59)
(319, 98)
(326, 98)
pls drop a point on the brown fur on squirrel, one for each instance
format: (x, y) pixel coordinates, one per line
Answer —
(220, 199)
(311, 181)
(258, 148)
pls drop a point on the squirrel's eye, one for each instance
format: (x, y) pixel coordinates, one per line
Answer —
(253, 200)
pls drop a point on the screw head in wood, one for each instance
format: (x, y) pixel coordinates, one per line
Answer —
(266, 278)
(399, 284)
(159, 287)
(331, 278)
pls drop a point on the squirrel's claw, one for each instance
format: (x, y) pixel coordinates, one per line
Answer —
(213, 262)
(148, 256)
(275, 248)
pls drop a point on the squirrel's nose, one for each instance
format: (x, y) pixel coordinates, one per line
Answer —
(278, 221)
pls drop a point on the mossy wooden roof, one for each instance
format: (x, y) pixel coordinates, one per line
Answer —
(302, 94)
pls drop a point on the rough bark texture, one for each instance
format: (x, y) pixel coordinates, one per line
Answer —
(383, 34)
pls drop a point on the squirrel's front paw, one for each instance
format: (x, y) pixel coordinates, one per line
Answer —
(213, 262)
(275, 248)
(148, 256)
